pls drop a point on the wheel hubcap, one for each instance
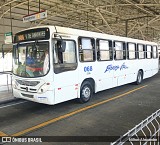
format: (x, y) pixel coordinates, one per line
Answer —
(86, 92)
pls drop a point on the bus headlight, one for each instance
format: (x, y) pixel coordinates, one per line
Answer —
(44, 88)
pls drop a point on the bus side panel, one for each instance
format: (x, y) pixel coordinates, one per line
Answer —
(104, 77)
(155, 63)
(66, 86)
(125, 72)
(149, 65)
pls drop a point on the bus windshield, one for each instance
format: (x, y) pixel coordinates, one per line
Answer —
(31, 59)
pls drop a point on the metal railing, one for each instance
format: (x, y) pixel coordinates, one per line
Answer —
(145, 133)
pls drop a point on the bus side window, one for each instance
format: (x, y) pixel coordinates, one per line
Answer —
(69, 56)
(104, 50)
(141, 51)
(149, 51)
(86, 49)
(120, 50)
(155, 52)
(131, 50)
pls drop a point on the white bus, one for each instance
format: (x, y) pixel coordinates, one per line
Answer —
(53, 64)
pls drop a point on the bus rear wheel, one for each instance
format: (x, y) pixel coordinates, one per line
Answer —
(139, 77)
(86, 92)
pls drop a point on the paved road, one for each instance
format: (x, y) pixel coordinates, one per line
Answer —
(109, 114)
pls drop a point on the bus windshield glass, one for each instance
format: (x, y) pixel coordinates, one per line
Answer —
(31, 59)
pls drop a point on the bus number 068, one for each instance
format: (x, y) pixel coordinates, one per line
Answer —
(88, 68)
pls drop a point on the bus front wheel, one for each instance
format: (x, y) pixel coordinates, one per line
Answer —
(139, 77)
(86, 92)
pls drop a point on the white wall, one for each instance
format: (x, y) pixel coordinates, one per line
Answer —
(5, 65)
(5, 83)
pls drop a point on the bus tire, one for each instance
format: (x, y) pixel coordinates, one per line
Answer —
(86, 92)
(139, 77)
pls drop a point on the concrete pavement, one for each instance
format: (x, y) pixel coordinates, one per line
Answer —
(6, 96)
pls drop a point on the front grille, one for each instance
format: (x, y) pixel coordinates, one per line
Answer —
(28, 89)
(28, 83)
(27, 95)
(23, 88)
(33, 89)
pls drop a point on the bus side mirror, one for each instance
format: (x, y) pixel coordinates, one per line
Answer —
(62, 46)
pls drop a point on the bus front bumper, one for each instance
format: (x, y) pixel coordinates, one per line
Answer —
(45, 98)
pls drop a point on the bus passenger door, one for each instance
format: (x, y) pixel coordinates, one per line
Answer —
(65, 71)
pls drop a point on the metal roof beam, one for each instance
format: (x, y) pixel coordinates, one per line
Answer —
(142, 9)
(151, 21)
(97, 9)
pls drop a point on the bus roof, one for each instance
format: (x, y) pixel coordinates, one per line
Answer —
(85, 33)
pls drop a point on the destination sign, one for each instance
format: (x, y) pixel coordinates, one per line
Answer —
(32, 34)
